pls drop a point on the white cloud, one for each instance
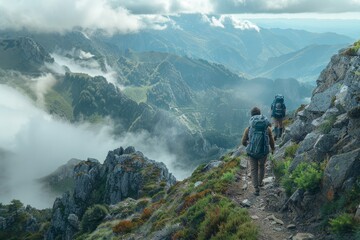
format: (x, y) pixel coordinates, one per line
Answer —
(82, 62)
(234, 20)
(42, 85)
(65, 15)
(127, 16)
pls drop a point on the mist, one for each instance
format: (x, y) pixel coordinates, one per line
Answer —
(38, 144)
(84, 64)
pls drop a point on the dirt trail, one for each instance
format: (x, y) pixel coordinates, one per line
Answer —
(263, 209)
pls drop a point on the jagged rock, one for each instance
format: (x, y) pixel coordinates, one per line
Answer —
(129, 174)
(308, 142)
(340, 168)
(129, 150)
(254, 217)
(298, 130)
(303, 236)
(325, 142)
(73, 221)
(291, 226)
(212, 164)
(246, 203)
(87, 173)
(313, 148)
(321, 101)
(341, 121)
(275, 219)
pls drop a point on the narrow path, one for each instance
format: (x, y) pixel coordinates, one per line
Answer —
(263, 209)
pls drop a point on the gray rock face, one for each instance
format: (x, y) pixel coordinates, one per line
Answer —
(328, 131)
(211, 165)
(341, 168)
(73, 221)
(125, 173)
(320, 102)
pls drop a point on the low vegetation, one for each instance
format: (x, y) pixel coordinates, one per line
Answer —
(196, 208)
(338, 213)
(93, 217)
(352, 51)
(326, 126)
(291, 150)
(306, 176)
(23, 222)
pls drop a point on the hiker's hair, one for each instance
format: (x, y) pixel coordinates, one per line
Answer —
(255, 111)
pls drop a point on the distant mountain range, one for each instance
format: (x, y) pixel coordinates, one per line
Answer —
(239, 45)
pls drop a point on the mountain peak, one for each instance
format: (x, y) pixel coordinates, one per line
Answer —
(23, 54)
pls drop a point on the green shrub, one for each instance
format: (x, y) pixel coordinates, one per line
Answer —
(326, 126)
(306, 176)
(280, 167)
(228, 177)
(93, 217)
(216, 217)
(291, 150)
(343, 223)
(353, 50)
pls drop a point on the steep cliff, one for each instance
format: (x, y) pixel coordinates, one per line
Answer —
(125, 173)
(323, 176)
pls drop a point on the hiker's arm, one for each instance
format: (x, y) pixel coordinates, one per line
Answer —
(271, 140)
(245, 138)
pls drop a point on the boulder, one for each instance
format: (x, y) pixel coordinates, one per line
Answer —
(320, 102)
(308, 142)
(298, 130)
(73, 221)
(339, 169)
(212, 164)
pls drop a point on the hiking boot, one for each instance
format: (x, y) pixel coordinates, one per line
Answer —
(257, 192)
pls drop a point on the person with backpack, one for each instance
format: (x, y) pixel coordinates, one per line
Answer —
(257, 138)
(278, 111)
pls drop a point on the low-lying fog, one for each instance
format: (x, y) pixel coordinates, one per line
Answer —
(33, 144)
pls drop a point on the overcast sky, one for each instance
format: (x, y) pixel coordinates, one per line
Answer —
(133, 15)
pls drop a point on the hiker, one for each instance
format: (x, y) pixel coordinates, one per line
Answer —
(278, 111)
(257, 138)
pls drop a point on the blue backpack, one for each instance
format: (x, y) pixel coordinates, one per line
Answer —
(258, 146)
(278, 107)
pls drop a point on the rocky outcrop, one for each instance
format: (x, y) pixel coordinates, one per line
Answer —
(124, 173)
(328, 129)
(23, 54)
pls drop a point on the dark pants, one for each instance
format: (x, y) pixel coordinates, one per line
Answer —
(257, 170)
(278, 129)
